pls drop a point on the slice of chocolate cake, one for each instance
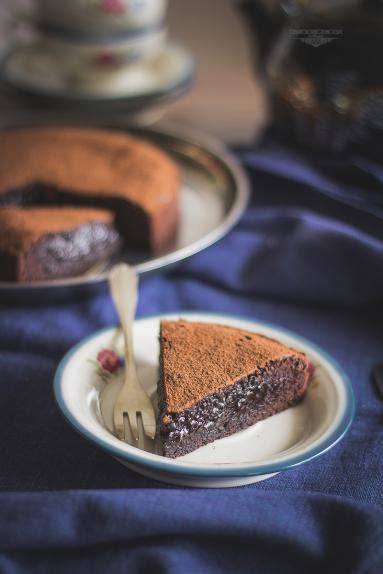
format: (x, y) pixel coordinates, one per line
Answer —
(216, 380)
(97, 168)
(53, 242)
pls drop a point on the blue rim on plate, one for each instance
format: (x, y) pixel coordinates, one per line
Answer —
(87, 37)
(162, 464)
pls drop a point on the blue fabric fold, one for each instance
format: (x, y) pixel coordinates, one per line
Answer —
(308, 255)
(134, 531)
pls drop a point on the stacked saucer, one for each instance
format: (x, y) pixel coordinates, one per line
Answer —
(99, 50)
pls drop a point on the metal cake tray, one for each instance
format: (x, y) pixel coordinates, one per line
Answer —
(214, 194)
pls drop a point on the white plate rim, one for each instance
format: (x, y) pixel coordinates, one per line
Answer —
(223, 470)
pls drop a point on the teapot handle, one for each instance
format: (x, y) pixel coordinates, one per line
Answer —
(265, 25)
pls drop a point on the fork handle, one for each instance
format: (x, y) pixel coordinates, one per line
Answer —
(123, 282)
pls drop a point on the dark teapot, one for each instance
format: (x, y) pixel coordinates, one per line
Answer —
(322, 61)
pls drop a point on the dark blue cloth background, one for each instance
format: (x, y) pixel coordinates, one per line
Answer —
(308, 255)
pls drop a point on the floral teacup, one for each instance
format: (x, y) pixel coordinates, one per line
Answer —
(101, 17)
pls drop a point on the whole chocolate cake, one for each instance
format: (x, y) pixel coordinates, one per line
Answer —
(216, 380)
(53, 242)
(97, 168)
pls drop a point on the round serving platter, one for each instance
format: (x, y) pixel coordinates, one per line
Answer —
(214, 194)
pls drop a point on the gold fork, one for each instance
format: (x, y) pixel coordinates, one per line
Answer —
(133, 405)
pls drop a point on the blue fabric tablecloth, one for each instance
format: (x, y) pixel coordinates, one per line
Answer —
(308, 255)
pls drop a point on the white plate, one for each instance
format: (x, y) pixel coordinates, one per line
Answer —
(282, 441)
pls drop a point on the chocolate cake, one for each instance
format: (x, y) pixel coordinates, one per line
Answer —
(97, 168)
(216, 380)
(53, 242)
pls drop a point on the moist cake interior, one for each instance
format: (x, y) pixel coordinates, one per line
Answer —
(53, 242)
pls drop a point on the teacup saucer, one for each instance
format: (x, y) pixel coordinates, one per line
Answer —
(135, 85)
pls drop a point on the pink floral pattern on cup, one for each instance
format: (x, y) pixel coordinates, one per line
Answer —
(107, 60)
(115, 7)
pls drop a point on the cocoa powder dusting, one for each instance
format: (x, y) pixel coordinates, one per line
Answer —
(88, 161)
(201, 358)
